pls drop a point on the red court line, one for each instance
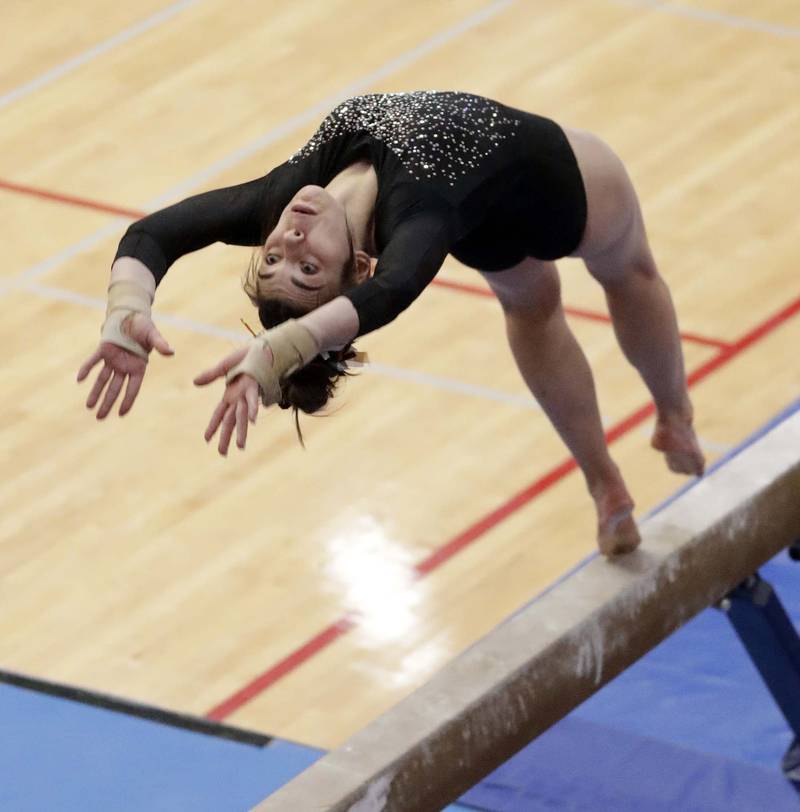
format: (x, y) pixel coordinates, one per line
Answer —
(490, 520)
(58, 197)
(694, 338)
(462, 287)
(495, 517)
(282, 668)
(442, 554)
(577, 312)
(747, 340)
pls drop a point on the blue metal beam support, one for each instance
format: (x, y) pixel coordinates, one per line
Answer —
(761, 622)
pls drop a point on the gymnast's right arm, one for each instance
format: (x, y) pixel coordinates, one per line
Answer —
(232, 215)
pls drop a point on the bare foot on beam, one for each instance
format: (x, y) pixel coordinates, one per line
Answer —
(617, 533)
(675, 437)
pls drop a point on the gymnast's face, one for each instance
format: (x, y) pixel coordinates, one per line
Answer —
(304, 257)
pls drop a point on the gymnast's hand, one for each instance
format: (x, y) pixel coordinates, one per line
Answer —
(239, 402)
(123, 363)
(256, 371)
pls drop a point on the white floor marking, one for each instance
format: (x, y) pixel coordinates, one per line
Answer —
(307, 116)
(127, 34)
(240, 337)
(730, 20)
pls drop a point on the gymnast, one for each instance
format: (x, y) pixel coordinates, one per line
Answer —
(353, 227)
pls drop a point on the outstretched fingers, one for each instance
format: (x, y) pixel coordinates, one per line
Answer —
(220, 369)
(217, 371)
(216, 419)
(228, 424)
(89, 364)
(251, 393)
(238, 406)
(112, 393)
(99, 385)
(242, 409)
(134, 385)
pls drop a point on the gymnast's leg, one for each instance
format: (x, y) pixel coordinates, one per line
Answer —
(616, 252)
(558, 374)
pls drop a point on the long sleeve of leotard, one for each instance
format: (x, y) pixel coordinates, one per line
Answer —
(233, 215)
(407, 264)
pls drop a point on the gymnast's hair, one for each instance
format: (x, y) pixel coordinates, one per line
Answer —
(309, 389)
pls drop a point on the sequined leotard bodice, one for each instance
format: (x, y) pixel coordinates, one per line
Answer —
(457, 173)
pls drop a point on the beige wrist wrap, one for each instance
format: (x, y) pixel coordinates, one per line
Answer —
(124, 299)
(292, 347)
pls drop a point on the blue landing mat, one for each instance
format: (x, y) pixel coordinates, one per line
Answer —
(66, 756)
(689, 728)
(579, 766)
(56, 754)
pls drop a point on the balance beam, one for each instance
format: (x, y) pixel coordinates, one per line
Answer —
(545, 660)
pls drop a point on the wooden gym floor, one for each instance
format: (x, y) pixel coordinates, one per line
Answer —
(298, 592)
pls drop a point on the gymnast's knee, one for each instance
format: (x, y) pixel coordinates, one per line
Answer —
(534, 298)
(627, 261)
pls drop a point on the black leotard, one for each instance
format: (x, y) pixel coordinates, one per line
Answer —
(457, 174)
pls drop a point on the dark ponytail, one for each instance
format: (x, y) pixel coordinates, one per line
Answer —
(309, 389)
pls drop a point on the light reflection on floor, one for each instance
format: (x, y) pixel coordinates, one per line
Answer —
(375, 577)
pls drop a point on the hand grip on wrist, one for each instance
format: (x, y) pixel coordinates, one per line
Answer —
(292, 347)
(124, 299)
